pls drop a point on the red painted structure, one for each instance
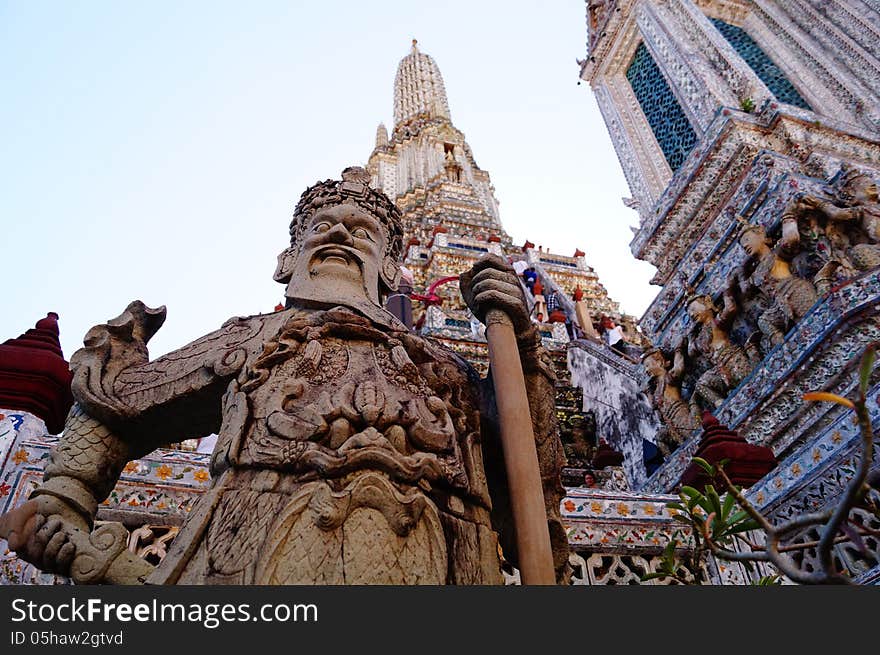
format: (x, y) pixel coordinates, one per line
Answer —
(747, 463)
(606, 456)
(431, 298)
(34, 376)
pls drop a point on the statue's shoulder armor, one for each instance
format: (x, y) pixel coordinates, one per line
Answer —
(219, 354)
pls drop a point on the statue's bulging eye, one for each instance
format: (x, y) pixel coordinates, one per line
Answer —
(360, 233)
(321, 227)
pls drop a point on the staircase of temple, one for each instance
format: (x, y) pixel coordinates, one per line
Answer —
(577, 427)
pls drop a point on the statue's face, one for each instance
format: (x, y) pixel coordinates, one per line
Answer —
(654, 365)
(864, 189)
(700, 311)
(753, 243)
(344, 242)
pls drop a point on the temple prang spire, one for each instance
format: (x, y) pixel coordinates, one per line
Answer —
(418, 89)
(450, 212)
(381, 136)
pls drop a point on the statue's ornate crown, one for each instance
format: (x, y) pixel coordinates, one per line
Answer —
(746, 226)
(353, 189)
(691, 294)
(844, 179)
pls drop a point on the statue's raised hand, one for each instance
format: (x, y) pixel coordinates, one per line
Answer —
(491, 283)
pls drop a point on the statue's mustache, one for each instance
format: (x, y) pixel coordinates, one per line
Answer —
(350, 252)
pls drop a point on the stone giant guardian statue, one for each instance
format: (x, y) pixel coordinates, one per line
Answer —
(350, 449)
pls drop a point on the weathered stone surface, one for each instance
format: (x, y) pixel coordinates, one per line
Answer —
(612, 387)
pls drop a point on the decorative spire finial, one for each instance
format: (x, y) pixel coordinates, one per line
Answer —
(381, 135)
(418, 88)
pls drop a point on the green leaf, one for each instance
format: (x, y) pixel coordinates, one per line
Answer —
(690, 492)
(768, 581)
(706, 504)
(706, 466)
(866, 367)
(678, 506)
(653, 576)
(667, 561)
(713, 497)
(729, 500)
(745, 526)
(693, 497)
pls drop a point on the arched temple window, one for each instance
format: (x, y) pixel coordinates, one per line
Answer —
(758, 61)
(670, 126)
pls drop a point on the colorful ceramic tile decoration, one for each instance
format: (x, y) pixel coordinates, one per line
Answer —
(823, 341)
(782, 174)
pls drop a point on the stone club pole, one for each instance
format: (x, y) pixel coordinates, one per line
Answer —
(520, 455)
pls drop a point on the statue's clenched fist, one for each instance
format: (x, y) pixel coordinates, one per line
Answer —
(492, 284)
(39, 539)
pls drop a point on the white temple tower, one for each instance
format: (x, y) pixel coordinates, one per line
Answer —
(451, 215)
(737, 115)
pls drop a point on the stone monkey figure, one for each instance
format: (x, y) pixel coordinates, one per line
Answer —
(350, 450)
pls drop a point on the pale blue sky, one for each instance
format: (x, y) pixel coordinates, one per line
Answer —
(155, 150)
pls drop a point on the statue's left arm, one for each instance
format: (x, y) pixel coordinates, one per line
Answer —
(126, 406)
(493, 284)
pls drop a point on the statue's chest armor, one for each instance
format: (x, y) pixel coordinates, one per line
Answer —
(325, 400)
(334, 389)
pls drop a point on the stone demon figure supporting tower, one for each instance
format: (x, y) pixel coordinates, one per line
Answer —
(350, 449)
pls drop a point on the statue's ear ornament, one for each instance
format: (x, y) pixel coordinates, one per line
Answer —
(284, 269)
(391, 273)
